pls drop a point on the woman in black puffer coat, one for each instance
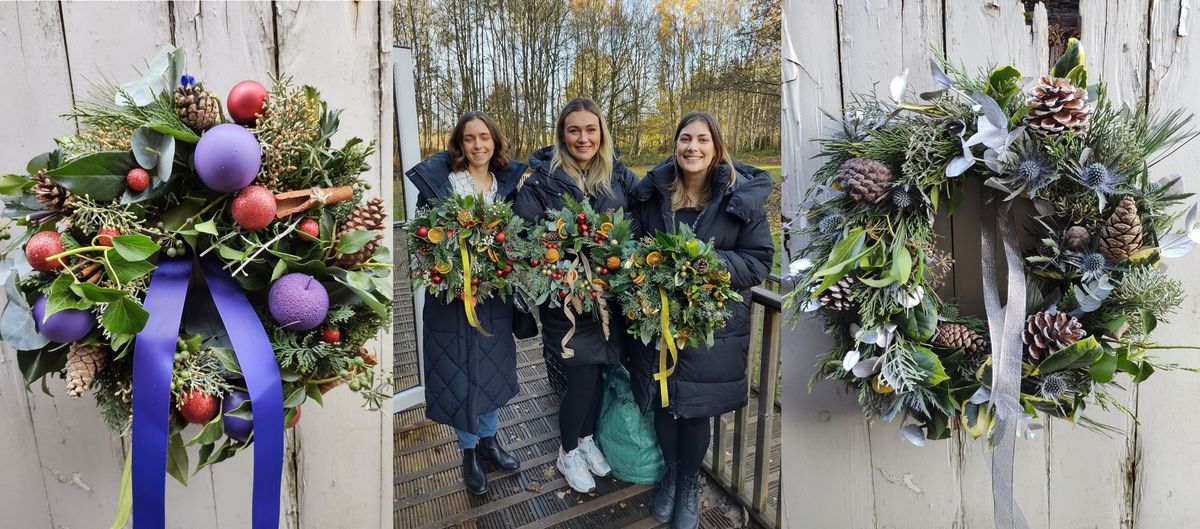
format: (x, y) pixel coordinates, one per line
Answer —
(723, 201)
(469, 376)
(581, 164)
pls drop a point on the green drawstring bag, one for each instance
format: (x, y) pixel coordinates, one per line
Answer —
(625, 434)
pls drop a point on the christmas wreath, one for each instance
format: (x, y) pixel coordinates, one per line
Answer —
(1085, 291)
(460, 247)
(674, 287)
(269, 211)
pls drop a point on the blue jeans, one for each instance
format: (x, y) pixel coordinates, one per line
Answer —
(488, 423)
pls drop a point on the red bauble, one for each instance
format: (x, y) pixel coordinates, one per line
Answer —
(474, 281)
(603, 271)
(562, 294)
(534, 262)
(295, 418)
(437, 280)
(583, 228)
(422, 231)
(105, 235)
(556, 275)
(499, 236)
(43, 244)
(594, 294)
(137, 179)
(581, 218)
(198, 407)
(254, 208)
(310, 227)
(331, 335)
(246, 99)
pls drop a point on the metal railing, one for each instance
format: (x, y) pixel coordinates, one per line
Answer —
(766, 306)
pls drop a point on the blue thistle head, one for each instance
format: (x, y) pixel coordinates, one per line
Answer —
(1092, 265)
(1099, 177)
(1034, 173)
(831, 223)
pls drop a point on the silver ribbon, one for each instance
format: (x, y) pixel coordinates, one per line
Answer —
(1004, 327)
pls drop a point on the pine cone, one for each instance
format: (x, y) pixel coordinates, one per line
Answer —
(366, 217)
(83, 362)
(51, 195)
(196, 107)
(837, 296)
(863, 179)
(1046, 333)
(701, 265)
(959, 336)
(1077, 238)
(510, 250)
(1121, 236)
(1058, 106)
(552, 236)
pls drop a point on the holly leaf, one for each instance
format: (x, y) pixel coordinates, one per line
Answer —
(177, 458)
(135, 247)
(1071, 58)
(124, 316)
(101, 176)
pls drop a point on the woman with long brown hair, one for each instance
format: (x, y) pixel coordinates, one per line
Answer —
(469, 376)
(701, 186)
(581, 164)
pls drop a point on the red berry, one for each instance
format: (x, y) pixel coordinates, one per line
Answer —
(508, 269)
(105, 235)
(534, 262)
(437, 280)
(422, 231)
(449, 233)
(499, 236)
(254, 208)
(44, 244)
(581, 218)
(137, 179)
(474, 281)
(583, 228)
(556, 275)
(603, 271)
(562, 294)
(331, 335)
(295, 418)
(594, 294)
(310, 227)
(499, 273)
(198, 407)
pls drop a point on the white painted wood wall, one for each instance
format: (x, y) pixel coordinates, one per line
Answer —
(843, 473)
(59, 465)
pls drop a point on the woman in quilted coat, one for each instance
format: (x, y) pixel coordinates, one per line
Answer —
(723, 202)
(469, 376)
(581, 164)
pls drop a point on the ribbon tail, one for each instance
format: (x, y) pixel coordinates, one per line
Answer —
(153, 363)
(1004, 327)
(261, 371)
(468, 305)
(667, 347)
(568, 352)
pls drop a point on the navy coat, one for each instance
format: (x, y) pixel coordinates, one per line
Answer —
(709, 381)
(467, 374)
(543, 192)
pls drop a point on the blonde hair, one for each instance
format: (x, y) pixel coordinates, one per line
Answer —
(596, 179)
(720, 156)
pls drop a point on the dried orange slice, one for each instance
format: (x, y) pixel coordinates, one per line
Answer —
(435, 235)
(443, 268)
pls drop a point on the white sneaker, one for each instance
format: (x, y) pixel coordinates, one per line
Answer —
(594, 457)
(575, 470)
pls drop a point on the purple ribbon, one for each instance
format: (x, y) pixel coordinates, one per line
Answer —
(154, 353)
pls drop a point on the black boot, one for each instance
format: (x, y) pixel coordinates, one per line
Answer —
(687, 503)
(664, 497)
(474, 477)
(491, 451)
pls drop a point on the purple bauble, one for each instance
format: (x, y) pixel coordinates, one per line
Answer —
(64, 326)
(236, 428)
(298, 302)
(227, 158)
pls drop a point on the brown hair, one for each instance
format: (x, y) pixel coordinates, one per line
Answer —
(596, 180)
(720, 155)
(458, 158)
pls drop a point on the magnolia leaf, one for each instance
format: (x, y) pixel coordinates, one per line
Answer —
(1071, 58)
(100, 176)
(1104, 368)
(939, 76)
(1080, 354)
(913, 434)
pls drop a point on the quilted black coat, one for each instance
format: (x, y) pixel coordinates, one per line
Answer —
(542, 192)
(709, 381)
(467, 374)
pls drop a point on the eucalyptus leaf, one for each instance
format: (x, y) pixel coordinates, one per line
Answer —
(160, 75)
(939, 75)
(18, 329)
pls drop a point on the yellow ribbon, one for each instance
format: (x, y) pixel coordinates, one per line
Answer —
(668, 345)
(468, 306)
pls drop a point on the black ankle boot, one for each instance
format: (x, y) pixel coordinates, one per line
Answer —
(664, 497)
(687, 503)
(491, 451)
(474, 477)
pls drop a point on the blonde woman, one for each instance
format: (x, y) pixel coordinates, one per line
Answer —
(722, 201)
(581, 164)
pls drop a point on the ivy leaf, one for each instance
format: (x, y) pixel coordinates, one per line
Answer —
(228, 360)
(207, 226)
(295, 396)
(135, 247)
(101, 176)
(99, 294)
(314, 393)
(62, 296)
(177, 458)
(37, 364)
(124, 316)
(125, 270)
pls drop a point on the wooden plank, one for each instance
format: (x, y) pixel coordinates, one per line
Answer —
(345, 65)
(587, 507)
(1166, 462)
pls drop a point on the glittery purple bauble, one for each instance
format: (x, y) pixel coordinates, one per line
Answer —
(227, 158)
(236, 428)
(64, 326)
(298, 302)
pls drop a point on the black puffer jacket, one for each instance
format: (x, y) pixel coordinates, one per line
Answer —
(709, 381)
(466, 373)
(543, 192)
